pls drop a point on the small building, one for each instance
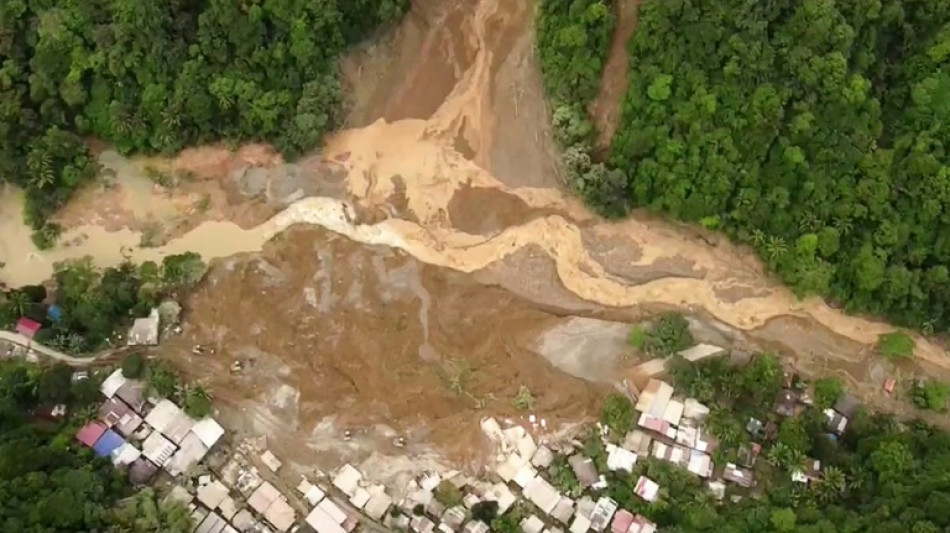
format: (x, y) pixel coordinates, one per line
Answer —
(190, 453)
(476, 526)
(347, 479)
(158, 449)
(280, 515)
(542, 494)
(847, 405)
(658, 425)
(543, 457)
(454, 518)
(641, 525)
(655, 398)
(836, 421)
(638, 442)
(212, 494)
(144, 331)
(532, 524)
(378, 504)
(271, 461)
(787, 403)
(581, 524)
(718, 489)
(621, 522)
(262, 498)
(620, 459)
(213, 523)
(889, 385)
(673, 412)
(584, 470)
(27, 327)
(739, 475)
(810, 472)
(647, 489)
(111, 384)
(525, 475)
(321, 522)
(501, 494)
(700, 464)
(747, 455)
(694, 410)
(132, 392)
(119, 416)
(208, 430)
(109, 442)
(756, 428)
(126, 455)
(90, 433)
(563, 511)
(141, 471)
(603, 511)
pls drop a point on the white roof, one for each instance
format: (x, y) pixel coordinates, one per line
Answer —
(212, 494)
(360, 497)
(208, 430)
(581, 524)
(700, 464)
(191, 452)
(508, 469)
(524, 476)
(692, 408)
(271, 461)
(125, 454)
(333, 510)
(158, 449)
(280, 514)
(144, 330)
(701, 351)
(543, 457)
(532, 524)
(263, 497)
(673, 412)
(112, 383)
(314, 494)
(162, 415)
(620, 459)
(378, 504)
(542, 494)
(647, 489)
(500, 493)
(347, 479)
(321, 522)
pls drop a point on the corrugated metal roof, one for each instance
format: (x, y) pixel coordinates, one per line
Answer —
(280, 515)
(90, 433)
(208, 430)
(158, 449)
(162, 415)
(112, 383)
(263, 497)
(321, 522)
(191, 452)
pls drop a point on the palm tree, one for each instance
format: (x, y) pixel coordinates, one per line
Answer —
(843, 225)
(758, 238)
(18, 302)
(808, 223)
(775, 247)
(145, 513)
(832, 485)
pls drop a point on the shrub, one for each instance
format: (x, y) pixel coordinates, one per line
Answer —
(895, 346)
(931, 394)
(133, 366)
(618, 414)
(827, 391)
(668, 335)
(448, 494)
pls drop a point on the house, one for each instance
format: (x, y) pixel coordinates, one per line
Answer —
(603, 511)
(836, 422)
(542, 494)
(738, 475)
(126, 454)
(347, 479)
(543, 457)
(119, 416)
(694, 410)
(532, 524)
(141, 471)
(144, 331)
(158, 449)
(189, 454)
(638, 442)
(563, 511)
(747, 455)
(654, 399)
(584, 470)
(755, 428)
(212, 494)
(675, 454)
(581, 524)
(809, 473)
(280, 515)
(501, 494)
(620, 459)
(112, 383)
(109, 442)
(475, 526)
(787, 403)
(208, 430)
(647, 489)
(524, 476)
(321, 522)
(621, 522)
(27, 327)
(641, 525)
(847, 405)
(132, 392)
(673, 412)
(90, 433)
(658, 425)
(700, 464)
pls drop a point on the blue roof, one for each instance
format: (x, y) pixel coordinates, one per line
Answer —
(109, 442)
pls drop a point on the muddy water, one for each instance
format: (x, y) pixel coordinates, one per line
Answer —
(433, 251)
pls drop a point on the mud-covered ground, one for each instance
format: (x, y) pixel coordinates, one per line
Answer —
(413, 275)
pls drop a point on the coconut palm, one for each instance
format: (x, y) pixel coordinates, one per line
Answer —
(832, 485)
(775, 247)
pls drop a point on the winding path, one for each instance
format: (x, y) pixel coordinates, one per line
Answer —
(24, 342)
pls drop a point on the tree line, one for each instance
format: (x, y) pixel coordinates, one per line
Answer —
(814, 131)
(159, 75)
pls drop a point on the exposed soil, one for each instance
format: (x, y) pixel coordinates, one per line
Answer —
(327, 327)
(606, 108)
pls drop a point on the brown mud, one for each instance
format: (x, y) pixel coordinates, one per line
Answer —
(442, 269)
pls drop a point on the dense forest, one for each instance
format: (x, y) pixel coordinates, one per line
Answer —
(158, 75)
(815, 131)
(48, 482)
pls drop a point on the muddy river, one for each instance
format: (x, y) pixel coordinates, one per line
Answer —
(408, 276)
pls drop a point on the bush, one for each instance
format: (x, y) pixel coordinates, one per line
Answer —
(931, 395)
(485, 511)
(524, 400)
(637, 337)
(827, 391)
(133, 366)
(895, 346)
(668, 335)
(198, 401)
(617, 415)
(448, 494)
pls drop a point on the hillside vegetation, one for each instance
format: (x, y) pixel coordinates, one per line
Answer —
(813, 130)
(159, 75)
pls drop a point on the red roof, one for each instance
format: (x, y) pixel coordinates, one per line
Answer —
(889, 385)
(622, 521)
(28, 327)
(90, 433)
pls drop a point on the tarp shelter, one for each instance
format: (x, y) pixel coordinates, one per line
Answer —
(27, 327)
(90, 433)
(54, 313)
(109, 442)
